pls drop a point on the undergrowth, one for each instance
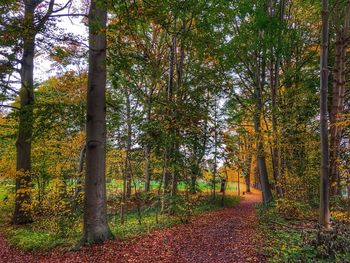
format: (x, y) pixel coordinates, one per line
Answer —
(45, 234)
(295, 236)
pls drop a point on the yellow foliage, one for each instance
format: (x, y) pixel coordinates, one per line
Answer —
(69, 88)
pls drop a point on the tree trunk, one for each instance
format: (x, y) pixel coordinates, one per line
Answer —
(257, 183)
(175, 170)
(147, 168)
(21, 214)
(274, 85)
(247, 172)
(215, 170)
(194, 170)
(170, 89)
(261, 162)
(194, 175)
(339, 77)
(78, 186)
(199, 150)
(96, 229)
(324, 186)
(128, 144)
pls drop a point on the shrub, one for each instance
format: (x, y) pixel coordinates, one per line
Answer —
(292, 209)
(333, 243)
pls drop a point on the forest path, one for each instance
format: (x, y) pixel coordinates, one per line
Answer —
(226, 235)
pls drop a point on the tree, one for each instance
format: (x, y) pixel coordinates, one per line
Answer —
(324, 190)
(26, 26)
(31, 28)
(337, 98)
(250, 37)
(96, 229)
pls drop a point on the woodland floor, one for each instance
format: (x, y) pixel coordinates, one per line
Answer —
(227, 235)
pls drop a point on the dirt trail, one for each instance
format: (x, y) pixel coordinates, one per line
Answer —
(227, 235)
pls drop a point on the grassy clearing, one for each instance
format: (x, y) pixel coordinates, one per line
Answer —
(202, 185)
(46, 234)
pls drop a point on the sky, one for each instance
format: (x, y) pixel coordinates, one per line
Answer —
(43, 66)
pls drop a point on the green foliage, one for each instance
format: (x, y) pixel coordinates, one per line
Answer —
(34, 240)
(6, 202)
(302, 241)
(209, 204)
(283, 243)
(65, 229)
(289, 208)
(333, 243)
(132, 227)
(180, 206)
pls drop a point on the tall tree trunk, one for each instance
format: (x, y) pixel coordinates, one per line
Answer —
(128, 144)
(176, 145)
(324, 186)
(257, 183)
(166, 172)
(147, 168)
(194, 167)
(215, 166)
(78, 186)
(21, 214)
(247, 168)
(261, 162)
(274, 84)
(175, 170)
(339, 77)
(170, 89)
(200, 149)
(96, 229)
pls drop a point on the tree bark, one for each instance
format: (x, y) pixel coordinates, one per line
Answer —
(170, 89)
(78, 186)
(337, 103)
(247, 169)
(200, 146)
(22, 214)
(128, 144)
(261, 162)
(215, 146)
(147, 168)
(96, 229)
(324, 185)
(274, 83)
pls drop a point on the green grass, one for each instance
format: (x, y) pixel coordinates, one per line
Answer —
(6, 203)
(4, 191)
(283, 244)
(27, 239)
(202, 185)
(132, 227)
(3, 194)
(212, 204)
(295, 240)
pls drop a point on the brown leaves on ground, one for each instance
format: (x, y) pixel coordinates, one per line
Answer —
(227, 235)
